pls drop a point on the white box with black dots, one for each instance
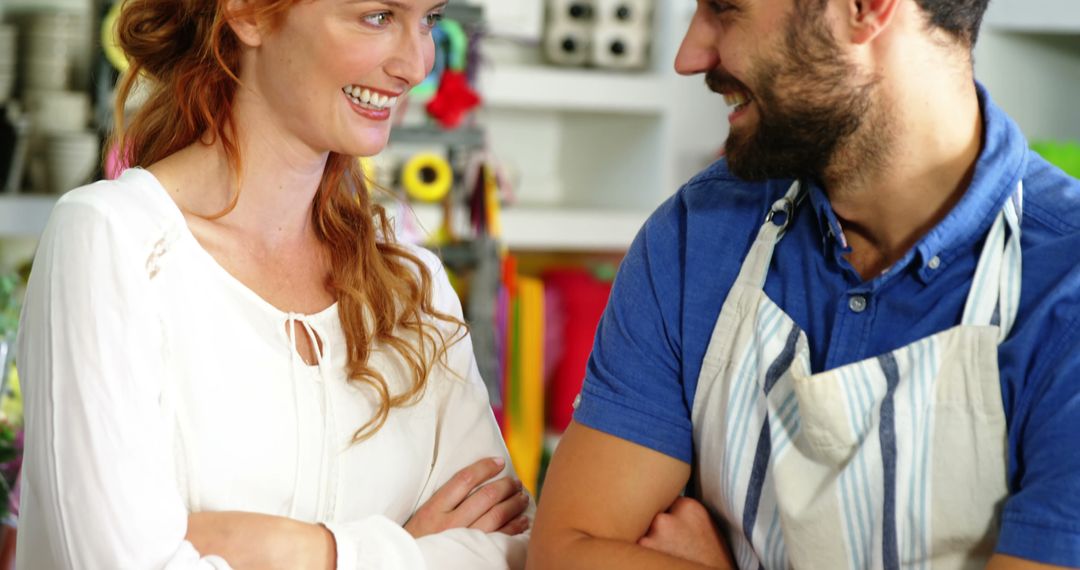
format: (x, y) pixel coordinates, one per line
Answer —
(613, 34)
(568, 33)
(629, 13)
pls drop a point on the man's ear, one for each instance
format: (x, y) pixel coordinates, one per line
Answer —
(244, 25)
(866, 19)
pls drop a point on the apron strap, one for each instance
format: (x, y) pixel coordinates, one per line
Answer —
(994, 298)
(756, 266)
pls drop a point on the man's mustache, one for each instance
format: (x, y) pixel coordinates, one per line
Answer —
(720, 82)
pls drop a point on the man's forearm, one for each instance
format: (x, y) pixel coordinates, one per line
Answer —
(588, 553)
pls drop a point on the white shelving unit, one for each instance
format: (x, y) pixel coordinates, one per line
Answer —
(592, 152)
(554, 229)
(573, 90)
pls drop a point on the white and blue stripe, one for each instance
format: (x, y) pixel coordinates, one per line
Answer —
(877, 473)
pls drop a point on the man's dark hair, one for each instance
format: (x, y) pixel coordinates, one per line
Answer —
(960, 18)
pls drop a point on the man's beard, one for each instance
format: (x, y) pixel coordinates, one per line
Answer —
(809, 103)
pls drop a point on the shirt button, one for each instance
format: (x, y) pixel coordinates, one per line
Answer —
(857, 304)
(934, 263)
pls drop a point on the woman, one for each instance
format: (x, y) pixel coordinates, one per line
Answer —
(228, 362)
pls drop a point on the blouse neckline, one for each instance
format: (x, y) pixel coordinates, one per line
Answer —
(212, 262)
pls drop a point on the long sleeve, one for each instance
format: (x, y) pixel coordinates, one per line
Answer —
(99, 487)
(470, 433)
(467, 432)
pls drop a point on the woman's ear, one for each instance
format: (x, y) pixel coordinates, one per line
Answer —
(868, 18)
(243, 22)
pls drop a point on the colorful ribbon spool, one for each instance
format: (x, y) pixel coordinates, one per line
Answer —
(427, 177)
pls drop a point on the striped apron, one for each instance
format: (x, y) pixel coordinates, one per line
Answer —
(897, 461)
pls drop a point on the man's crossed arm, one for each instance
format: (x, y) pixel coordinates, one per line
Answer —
(610, 503)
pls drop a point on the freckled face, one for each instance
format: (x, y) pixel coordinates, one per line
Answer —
(333, 70)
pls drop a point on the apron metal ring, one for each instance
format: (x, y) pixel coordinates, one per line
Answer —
(784, 206)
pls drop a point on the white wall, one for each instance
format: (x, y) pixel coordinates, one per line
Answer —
(1035, 78)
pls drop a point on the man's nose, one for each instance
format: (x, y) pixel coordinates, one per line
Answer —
(698, 52)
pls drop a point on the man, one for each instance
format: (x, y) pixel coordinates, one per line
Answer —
(854, 341)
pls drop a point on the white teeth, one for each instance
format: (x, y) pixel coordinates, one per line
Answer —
(369, 98)
(366, 96)
(736, 99)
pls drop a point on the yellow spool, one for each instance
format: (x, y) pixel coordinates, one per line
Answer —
(109, 41)
(427, 177)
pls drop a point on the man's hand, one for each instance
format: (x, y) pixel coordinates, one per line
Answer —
(464, 503)
(600, 496)
(687, 531)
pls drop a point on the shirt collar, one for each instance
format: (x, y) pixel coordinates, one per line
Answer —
(996, 176)
(831, 230)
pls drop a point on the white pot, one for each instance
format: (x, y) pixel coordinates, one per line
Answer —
(50, 46)
(47, 73)
(71, 159)
(58, 111)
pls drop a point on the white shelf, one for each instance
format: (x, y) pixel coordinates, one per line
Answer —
(556, 229)
(1041, 16)
(24, 216)
(572, 229)
(573, 90)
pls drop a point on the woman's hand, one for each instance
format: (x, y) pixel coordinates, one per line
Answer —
(464, 503)
(251, 540)
(687, 531)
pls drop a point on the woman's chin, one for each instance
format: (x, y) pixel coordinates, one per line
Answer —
(370, 146)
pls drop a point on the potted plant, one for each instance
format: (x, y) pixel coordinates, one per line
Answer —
(9, 322)
(10, 431)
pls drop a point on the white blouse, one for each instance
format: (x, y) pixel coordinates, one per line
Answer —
(156, 385)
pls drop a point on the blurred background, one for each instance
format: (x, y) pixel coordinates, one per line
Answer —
(547, 133)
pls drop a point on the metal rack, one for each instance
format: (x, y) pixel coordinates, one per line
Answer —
(478, 256)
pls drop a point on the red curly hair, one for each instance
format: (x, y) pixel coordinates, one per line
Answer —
(189, 57)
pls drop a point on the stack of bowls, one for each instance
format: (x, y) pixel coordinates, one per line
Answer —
(65, 151)
(51, 45)
(58, 111)
(8, 49)
(71, 159)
